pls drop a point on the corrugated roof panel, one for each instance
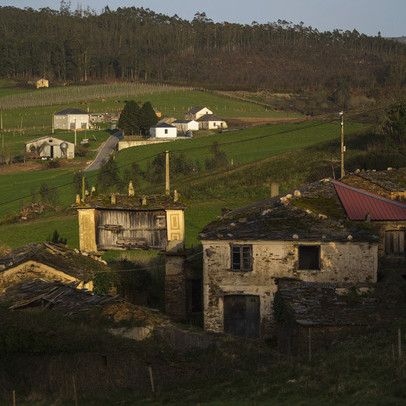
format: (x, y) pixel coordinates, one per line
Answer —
(358, 204)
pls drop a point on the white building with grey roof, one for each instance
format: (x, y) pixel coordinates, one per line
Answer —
(71, 119)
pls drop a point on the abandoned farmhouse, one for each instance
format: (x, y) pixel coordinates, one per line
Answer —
(328, 232)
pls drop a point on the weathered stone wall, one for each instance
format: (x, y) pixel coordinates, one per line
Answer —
(87, 230)
(175, 287)
(350, 262)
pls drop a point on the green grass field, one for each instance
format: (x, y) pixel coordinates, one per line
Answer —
(14, 142)
(277, 139)
(173, 104)
(8, 88)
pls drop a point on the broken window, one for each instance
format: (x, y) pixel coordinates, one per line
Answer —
(309, 256)
(395, 242)
(241, 257)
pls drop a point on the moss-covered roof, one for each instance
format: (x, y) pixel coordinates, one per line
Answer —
(57, 256)
(393, 180)
(124, 202)
(311, 214)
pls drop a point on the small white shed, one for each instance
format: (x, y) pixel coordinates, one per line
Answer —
(163, 130)
(50, 147)
(184, 126)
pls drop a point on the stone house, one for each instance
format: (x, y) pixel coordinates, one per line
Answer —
(163, 130)
(247, 250)
(211, 122)
(50, 147)
(71, 119)
(184, 126)
(196, 112)
(51, 261)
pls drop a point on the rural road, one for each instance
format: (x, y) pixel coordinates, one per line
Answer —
(104, 152)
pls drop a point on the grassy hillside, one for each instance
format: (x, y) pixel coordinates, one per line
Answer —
(276, 139)
(173, 104)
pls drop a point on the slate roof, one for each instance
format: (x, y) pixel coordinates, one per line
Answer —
(54, 295)
(57, 256)
(321, 304)
(285, 219)
(182, 121)
(70, 111)
(393, 180)
(124, 202)
(163, 125)
(194, 110)
(209, 117)
(358, 204)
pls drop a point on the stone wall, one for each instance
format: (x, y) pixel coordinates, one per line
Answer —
(350, 262)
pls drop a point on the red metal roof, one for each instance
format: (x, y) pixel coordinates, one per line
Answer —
(359, 203)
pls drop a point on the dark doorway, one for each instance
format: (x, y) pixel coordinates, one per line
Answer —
(51, 154)
(241, 315)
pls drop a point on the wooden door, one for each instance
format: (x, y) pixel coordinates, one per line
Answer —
(241, 315)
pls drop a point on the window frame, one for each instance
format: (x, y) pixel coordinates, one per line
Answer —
(244, 249)
(314, 246)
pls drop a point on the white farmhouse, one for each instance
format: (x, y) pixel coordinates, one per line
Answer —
(197, 112)
(211, 122)
(71, 119)
(184, 126)
(163, 130)
(50, 147)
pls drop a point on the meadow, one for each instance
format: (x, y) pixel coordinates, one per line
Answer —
(244, 146)
(170, 104)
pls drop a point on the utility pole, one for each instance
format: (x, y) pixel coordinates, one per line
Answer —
(341, 113)
(167, 185)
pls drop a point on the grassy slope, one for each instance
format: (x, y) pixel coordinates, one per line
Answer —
(170, 104)
(287, 137)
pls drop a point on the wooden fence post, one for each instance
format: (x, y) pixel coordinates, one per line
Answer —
(75, 396)
(151, 378)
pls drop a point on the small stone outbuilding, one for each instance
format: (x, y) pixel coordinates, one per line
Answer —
(54, 262)
(197, 112)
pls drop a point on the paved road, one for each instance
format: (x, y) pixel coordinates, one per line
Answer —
(103, 155)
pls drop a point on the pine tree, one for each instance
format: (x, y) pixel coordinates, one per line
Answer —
(148, 118)
(130, 118)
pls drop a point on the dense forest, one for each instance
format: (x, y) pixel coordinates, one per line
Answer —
(136, 43)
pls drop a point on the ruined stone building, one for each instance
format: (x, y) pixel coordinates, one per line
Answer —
(53, 262)
(303, 236)
(122, 222)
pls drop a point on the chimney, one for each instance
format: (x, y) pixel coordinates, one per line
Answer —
(131, 190)
(113, 199)
(144, 201)
(274, 189)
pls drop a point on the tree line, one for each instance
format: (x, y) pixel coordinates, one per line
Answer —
(136, 43)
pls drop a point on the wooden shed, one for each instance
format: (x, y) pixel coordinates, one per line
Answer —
(130, 222)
